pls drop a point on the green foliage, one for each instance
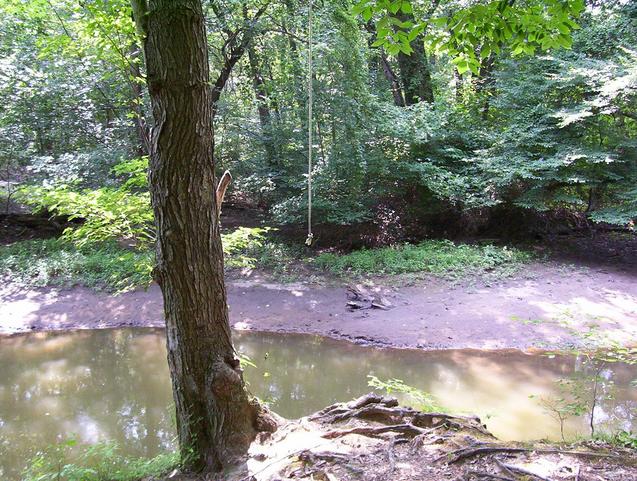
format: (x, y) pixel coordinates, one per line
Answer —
(471, 33)
(570, 403)
(58, 262)
(135, 171)
(69, 461)
(590, 384)
(436, 257)
(66, 86)
(245, 360)
(254, 248)
(422, 400)
(105, 213)
(108, 265)
(624, 439)
(554, 132)
(242, 245)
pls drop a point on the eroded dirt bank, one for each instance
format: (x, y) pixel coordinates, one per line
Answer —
(543, 306)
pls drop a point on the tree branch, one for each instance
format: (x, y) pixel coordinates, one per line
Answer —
(237, 48)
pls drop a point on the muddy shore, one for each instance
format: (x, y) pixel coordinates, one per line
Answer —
(545, 305)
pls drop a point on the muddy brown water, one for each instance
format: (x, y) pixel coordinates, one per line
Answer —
(113, 385)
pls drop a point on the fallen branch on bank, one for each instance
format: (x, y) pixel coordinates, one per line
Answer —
(480, 474)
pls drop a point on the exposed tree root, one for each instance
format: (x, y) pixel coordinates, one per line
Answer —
(485, 449)
(408, 429)
(385, 410)
(372, 438)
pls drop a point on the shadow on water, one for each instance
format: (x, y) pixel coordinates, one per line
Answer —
(114, 385)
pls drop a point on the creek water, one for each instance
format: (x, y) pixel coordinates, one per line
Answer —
(113, 385)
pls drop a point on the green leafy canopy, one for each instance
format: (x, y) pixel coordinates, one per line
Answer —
(471, 34)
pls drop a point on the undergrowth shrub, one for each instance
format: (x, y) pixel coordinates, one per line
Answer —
(107, 265)
(68, 461)
(106, 213)
(42, 262)
(433, 256)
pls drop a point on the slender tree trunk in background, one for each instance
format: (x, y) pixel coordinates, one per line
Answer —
(273, 101)
(485, 84)
(414, 71)
(388, 72)
(457, 85)
(215, 418)
(297, 67)
(319, 131)
(265, 118)
(259, 88)
(137, 102)
(392, 78)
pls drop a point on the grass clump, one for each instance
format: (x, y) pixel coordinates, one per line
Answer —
(440, 257)
(68, 461)
(43, 262)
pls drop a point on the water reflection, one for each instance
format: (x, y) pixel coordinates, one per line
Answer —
(91, 385)
(114, 385)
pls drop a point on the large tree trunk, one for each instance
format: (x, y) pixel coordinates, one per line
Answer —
(215, 418)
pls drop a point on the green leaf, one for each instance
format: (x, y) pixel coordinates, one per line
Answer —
(439, 21)
(462, 66)
(394, 7)
(406, 7)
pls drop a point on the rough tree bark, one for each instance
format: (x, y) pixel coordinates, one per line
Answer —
(216, 420)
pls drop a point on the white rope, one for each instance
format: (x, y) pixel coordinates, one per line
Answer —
(310, 235)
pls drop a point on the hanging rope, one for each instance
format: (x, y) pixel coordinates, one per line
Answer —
(310, 235)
